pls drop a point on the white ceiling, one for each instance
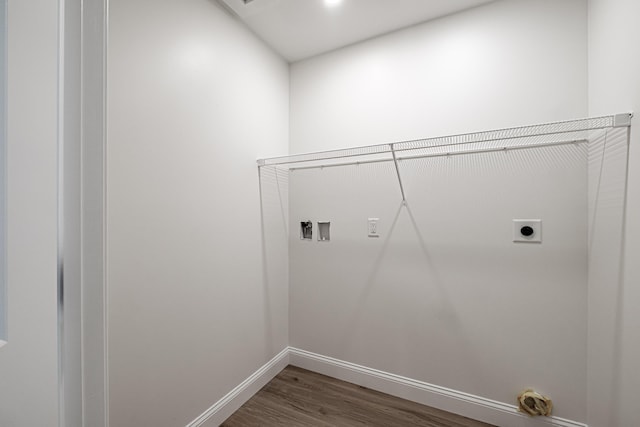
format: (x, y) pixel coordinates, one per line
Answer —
(299, 29)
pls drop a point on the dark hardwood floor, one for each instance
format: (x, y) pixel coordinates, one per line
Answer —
(297, 397)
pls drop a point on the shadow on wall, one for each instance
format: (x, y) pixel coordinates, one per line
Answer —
(441, 295)
(274, 194)
(608, 173)
(448, 310)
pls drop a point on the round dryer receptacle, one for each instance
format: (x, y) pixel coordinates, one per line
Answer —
(527, 231)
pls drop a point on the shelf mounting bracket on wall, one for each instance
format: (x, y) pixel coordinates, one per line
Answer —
(395, 162)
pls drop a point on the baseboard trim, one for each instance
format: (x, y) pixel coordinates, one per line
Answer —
(465, 404)
(222, 409)
(468, 405)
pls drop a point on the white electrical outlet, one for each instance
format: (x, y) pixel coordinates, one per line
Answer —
(527, 230)
(373, 227)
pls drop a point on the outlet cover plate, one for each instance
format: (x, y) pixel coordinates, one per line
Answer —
(535, 224)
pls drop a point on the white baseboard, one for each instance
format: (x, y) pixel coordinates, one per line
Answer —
(465, 404)
(468, 405)
(222, 409)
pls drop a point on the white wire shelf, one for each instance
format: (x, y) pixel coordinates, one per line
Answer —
(516, 138)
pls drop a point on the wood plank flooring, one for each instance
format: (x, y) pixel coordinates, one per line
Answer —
(297, 397)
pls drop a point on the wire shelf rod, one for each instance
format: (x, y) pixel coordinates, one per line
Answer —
(448, 154)
(530, 131)
(344, 156)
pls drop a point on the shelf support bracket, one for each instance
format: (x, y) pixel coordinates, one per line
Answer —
(395, 162)
(622, 120)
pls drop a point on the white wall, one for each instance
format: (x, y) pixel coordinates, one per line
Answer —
(29, 362)
(93, 210)
(504, 64)
(441, 295)
(3, 165)
(614, 320)
(445, 296)
(70, 210)
(193, 100)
